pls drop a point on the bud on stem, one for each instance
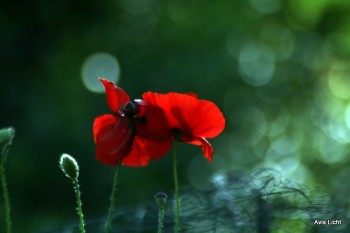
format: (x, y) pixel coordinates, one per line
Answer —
(160, 199)
(6, 136)
(69, 166)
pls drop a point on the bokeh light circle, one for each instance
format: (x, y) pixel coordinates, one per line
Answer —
(99, 65)
(338, 80)
(347, 117)
(256, 64)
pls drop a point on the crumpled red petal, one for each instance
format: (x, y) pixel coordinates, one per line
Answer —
(113, 137)
(195, 119)
(154, 125)
(207, 148)
(115, 95)
(144, 149)
(199, 118)
(153, 136)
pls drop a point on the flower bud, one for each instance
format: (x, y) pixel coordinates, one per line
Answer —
(69, 166)
(160, 198)
(6, 136)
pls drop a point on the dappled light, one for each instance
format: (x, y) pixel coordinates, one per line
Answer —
(101, 65)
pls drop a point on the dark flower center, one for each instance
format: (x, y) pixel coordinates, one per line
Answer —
(130, 109)
(177, 133)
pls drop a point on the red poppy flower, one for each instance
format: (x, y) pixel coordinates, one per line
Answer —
(191, 120)
(135, 133)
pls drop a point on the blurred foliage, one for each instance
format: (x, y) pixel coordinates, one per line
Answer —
(278, 70)
(234, 202)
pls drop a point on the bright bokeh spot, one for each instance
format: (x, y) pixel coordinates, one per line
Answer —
(330, 151)
(347, 117)
(339, 132)
(219, 180)
(256, 64)
(339, 81)
(99, 65)
(283, 156)
(332, 116)
(286, 166)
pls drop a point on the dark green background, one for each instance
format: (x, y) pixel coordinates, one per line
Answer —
(279, 70)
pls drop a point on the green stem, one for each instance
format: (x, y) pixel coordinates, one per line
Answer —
(79, 205)
(112, 205)
(177, 199)
(160, 219)
(5, 190)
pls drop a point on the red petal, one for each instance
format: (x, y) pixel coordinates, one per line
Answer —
(113, 137)
(194, 117)
(153, 124)
(115, 95)
(144, 149)
(207, 149)
(153, 136)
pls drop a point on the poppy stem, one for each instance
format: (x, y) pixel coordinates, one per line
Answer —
(79, 205)
(70, 168)
(7, 206)
(160, 199)
(160, 219)
(177, 199)
(112, 204)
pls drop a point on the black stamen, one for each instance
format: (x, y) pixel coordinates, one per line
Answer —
(129, 110)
